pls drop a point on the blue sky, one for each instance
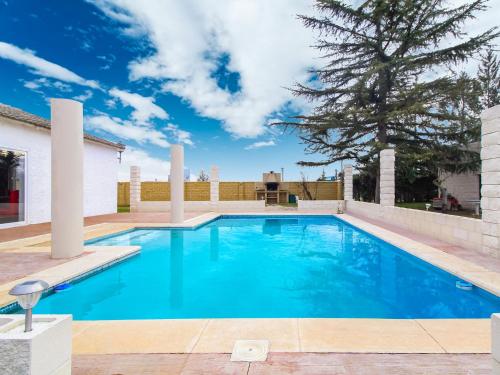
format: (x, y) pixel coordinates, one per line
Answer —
(159, 74)
(210, 74)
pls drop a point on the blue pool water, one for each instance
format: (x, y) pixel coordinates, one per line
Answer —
(267, 267)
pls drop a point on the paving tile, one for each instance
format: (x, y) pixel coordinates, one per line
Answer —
(373, 364)
(29, 249)
(284, 363)
(271, 368)
(365, 335)
(6, 299)
(220, 334)
(139, 336)
(129, 364)
(213, 364)
(15, 266)
(460, 335)
(80, 326)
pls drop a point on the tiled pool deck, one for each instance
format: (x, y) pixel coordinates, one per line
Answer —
(285, 335)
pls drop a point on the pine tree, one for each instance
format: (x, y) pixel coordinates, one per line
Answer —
(203, 176)
(464, 106)
(380, 86)
(489, 77)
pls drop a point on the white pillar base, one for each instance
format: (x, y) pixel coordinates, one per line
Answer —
(44, 351)
(495, 337)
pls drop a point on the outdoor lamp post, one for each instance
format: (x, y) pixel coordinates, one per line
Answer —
(28, 294)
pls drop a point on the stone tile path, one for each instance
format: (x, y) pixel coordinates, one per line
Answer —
(284, 363)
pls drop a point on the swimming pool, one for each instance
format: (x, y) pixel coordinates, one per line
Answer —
(267, 266)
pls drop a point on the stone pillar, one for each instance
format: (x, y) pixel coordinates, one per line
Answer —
(387, 178)
(214, 187)
(490, 180)
(348, 182)
(177, 183)
(135, 188)
(67, 177)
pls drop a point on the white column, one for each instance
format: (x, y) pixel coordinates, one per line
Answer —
(177, 183)
(490, 180)
(348, 182)
(495, 343)
(387, 178)
(67, 177)
(135, 188)
(214, 187)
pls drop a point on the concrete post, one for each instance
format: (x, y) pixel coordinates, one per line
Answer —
(177, 183)
(490, 180)
(348, 182)
(387, 178)
(46, 350)
(67, 177)
(214, 187)
(495, 343)
(135, 188)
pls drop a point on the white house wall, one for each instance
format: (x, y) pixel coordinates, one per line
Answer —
(463, 186)
(100, 179)
(100, 171)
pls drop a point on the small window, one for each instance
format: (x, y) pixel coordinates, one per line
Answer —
(12, 180)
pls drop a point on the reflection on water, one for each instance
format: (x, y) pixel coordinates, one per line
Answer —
(176, 268)
(267, 267)
(271, 227)
(214, 243)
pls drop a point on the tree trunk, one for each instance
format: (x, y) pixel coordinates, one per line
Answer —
(377, 185)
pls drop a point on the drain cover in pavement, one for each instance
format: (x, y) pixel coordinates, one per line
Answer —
(250, 351)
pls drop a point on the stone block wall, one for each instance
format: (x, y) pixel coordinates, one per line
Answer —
(490, 179)
(457, 230)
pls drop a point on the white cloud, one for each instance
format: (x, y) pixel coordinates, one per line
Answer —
(126, 130)
(84, 96)
(151, 168)
(38, 83)
(179, 135)
(108, 61)
(266, 45)
(265, 42)
(144, 107)
(41, 66)
(260, 145)
(32, 85)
